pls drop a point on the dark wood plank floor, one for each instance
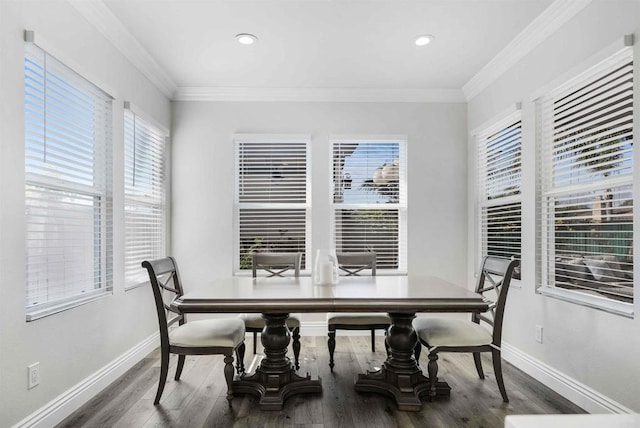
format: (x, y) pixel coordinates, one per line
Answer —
(198, 399)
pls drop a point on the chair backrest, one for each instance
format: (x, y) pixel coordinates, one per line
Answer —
(276, 263)
(166, 286)
(494, 278)
(353, 263)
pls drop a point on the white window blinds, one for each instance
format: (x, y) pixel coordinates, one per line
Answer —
(369, 201)
(145, 193)
(272, 197)
(499, 167)
(587, 181)
(68, 127)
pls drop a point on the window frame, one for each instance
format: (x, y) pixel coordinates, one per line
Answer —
(54, 179)
(401, 206)
(506, 120)
(159, 199)
(582, 77)
(238, 205)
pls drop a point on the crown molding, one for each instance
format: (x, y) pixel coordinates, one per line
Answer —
(550, 20)
(319, 95)
(98, 15)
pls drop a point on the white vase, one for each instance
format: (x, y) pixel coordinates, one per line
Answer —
(325, 268)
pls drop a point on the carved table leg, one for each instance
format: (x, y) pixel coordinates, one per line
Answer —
(400, 377)
(275, 378)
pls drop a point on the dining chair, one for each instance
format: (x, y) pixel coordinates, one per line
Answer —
(275, 264)
(446, 335)
(202, 337)
(353, 264)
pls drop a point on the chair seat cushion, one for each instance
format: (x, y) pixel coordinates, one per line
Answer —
(358, 318)
(203, 333)
(256, 321)
(445, 332)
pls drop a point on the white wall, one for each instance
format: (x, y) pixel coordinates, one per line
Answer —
(596, 350)
(203, 171)
(77, 343)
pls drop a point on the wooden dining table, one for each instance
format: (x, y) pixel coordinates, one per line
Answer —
(275, 379)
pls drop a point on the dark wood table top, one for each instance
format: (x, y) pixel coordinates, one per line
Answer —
(408, 294)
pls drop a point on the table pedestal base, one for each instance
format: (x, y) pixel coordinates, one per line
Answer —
(405, 388)
(400, 376)
(275, 378)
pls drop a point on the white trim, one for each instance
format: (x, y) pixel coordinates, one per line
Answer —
(314, 328)
(351, 138)
(435, 95)
(139, 112)
(608, 305)
(497, 121)
(582, 395)
(616, 49)
(41, 311)
(269, 138)
(99, 15)
(550, 20)
(71, 400)
(58, 52)
(321, 328)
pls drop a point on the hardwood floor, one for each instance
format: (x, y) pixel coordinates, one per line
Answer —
(198, 399)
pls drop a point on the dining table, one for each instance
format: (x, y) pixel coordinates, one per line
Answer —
(402, 297)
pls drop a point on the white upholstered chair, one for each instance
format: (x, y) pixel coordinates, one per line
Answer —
(203, 337)
(446, 335)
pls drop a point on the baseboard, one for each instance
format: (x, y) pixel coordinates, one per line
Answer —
(314, 328)
(58, 409)
(319, 328)
(582, 395)
(64, 405)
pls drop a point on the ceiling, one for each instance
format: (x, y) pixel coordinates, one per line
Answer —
(320, 44)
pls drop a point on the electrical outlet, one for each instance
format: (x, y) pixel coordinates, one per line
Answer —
(539, 333)
(33, 375)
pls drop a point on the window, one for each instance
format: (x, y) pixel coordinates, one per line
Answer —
(587, 183)
(144, 195)
(500, 166)
(68, 126)
(272, 197)
(369, 206)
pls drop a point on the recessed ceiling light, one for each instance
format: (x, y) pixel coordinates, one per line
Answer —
(424, 39)
(246, 38)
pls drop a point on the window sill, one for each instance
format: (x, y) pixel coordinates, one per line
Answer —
(595, 302)
(44, 311)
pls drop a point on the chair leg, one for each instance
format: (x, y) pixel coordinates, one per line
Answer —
(164, 369)
(332, 347)
(296, 346)
(240, 358)
(497, 369)
(255, 342)
(373, 340)
(417, 350)
(476, 359)
(179, 367)
(432, 369)
(228, 375)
